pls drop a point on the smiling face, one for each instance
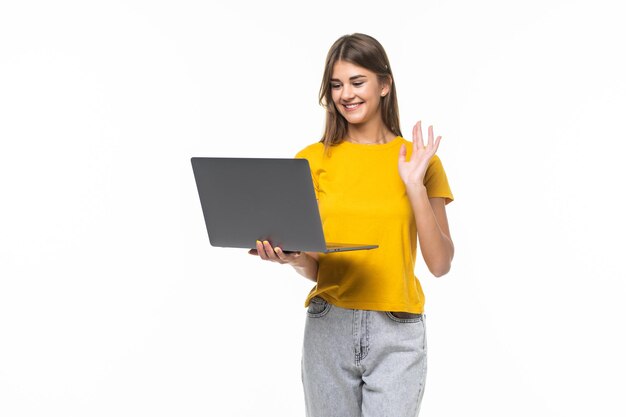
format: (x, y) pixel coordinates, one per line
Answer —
(356, 92)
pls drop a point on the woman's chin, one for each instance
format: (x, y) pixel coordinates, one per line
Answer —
(353, 119)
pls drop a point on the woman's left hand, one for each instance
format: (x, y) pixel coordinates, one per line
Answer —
(412, 171)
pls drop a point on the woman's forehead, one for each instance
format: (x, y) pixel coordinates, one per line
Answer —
(349, 70)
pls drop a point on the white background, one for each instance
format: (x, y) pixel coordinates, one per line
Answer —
(112, 301)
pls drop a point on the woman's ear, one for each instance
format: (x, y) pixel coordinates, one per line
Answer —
(386, 86)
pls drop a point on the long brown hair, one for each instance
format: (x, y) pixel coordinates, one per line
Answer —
(364, 51)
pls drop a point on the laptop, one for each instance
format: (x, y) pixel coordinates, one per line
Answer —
(248, 199)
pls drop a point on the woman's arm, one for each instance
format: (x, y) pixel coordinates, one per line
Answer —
(430, 214)
(432, 230)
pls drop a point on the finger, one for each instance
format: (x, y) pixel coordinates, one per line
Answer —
(436, 146)
(402, 155)
(430, 136)
(281, 255)
(285, 258)
(418, 142)
(261, 250)
(269, 250)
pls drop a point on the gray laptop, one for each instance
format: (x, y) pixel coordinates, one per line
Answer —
(248, 199)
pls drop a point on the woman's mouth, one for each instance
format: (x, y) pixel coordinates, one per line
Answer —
(352, 106)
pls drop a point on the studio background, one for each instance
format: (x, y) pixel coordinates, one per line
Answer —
(112, 301)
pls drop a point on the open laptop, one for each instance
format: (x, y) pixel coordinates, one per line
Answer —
(248, 199)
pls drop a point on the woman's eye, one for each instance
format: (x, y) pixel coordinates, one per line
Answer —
(335, 86)
(358, 84)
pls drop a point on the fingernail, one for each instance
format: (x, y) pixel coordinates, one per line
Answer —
(265, 242)
(276, 249)
(258, 242)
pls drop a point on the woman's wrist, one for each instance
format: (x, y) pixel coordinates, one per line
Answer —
(301, 261)
(415, 188)
(306, 266)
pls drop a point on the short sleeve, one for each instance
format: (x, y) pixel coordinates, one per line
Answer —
(436, 180)
(305, 155)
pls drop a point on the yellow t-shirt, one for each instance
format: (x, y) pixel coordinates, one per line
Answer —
(363, 200)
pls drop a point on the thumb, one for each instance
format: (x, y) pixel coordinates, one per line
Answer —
(402, 156)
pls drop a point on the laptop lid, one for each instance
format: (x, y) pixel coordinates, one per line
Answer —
(249, 199)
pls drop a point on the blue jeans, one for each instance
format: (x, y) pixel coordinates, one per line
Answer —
(361, 363)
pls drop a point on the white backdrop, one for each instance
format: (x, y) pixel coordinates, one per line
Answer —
(112, 301)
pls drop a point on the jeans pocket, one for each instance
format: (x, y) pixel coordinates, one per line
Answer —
(318, 307)
(403, 317)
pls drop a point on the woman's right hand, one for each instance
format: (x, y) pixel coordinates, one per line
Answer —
(265, 251)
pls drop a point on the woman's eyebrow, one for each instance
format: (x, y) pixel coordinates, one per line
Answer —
(354, 77)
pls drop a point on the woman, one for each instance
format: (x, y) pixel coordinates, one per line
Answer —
(365, 345)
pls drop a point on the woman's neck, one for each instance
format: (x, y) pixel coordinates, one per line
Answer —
(369, 134)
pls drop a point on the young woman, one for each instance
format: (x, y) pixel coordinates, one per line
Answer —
(364, 348)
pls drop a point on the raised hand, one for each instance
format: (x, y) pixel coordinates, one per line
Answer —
(412, 171)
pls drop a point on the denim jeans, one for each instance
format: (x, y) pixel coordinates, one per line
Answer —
(362, 363)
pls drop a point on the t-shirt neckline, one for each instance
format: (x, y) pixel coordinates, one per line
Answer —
(372, 145)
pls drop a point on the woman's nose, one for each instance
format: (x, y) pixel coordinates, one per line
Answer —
(347, 93)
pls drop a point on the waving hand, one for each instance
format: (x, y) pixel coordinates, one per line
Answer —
(412, 171)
